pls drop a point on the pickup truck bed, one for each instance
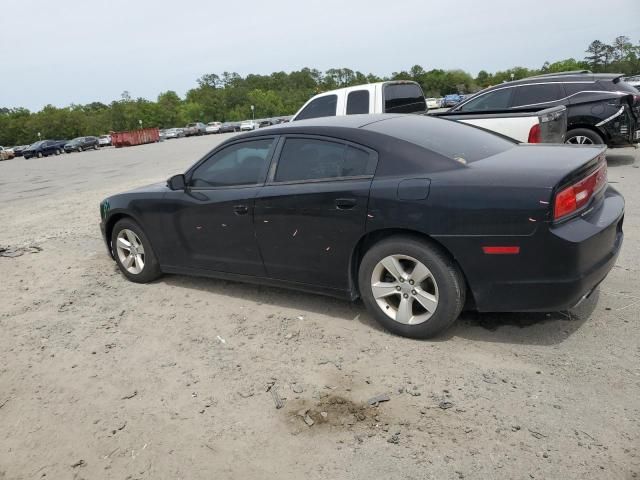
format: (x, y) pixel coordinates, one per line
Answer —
(540, 126)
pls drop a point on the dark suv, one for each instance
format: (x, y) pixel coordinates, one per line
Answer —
(42, 148)
(601, 107)
(82, 143)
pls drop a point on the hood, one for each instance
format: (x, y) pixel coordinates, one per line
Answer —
(152, 188)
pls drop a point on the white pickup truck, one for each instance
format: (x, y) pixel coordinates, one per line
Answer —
(545, 126)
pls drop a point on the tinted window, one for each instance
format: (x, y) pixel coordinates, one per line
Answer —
(358, 102)
(496, 100)
(320, 107)
(310, 159)
(533, 94)
(450, 139)
(240, 164)
(573, 88)
(619, 86)
(403, 98)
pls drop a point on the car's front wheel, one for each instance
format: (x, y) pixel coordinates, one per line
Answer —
(39, 155)
(133, 252)
(583, 136)
(410, 287)
(79, 149)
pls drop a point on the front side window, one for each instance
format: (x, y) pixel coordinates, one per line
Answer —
(536, 94)
(312, 159)
(496, 100)
(240, 164)
(358, 102)
(320, 107)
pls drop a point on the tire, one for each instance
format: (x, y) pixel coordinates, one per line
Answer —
(442, 288)
(96, 147)
(150, 268)
(39, 155)
(583, 136)
(79, 149)
(57, 151)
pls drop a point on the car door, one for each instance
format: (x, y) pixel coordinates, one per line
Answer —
(210, 224)
(312, 212)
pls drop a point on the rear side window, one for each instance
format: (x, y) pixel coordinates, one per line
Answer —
(313, 159)
(403, 98)
(534, 94)
(496, 100)
(320, 107)
(358, 102)
(619, 86)
(573, 88)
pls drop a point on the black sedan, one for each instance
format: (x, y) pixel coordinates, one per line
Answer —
(229, 127)
(42, 148)
(82, 143)
(418, 216)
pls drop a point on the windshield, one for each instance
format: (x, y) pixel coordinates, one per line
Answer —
(37, 144)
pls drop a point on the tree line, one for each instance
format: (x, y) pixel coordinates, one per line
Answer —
(229, 96)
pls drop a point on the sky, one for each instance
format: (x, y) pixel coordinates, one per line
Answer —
(79, 51)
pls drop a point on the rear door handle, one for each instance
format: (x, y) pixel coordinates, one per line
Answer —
(345, 203)
(241, 209)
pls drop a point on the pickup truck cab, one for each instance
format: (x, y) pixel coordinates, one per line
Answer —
(382, 97)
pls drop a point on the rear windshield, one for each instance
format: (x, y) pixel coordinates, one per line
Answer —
(403, 98)
(451, 139)
(619, 86)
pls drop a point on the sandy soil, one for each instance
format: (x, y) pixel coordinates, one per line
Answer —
(103, 378)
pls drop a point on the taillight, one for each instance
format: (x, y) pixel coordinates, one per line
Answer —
(535, 134)
(576, 196)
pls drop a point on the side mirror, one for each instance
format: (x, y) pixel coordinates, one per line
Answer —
(177, 182)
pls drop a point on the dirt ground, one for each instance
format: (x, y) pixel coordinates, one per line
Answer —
(103, 378)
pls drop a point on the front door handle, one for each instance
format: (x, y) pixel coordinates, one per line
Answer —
(241, 209)
(345, 203)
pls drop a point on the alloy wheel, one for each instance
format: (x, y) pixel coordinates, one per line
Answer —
(130, 251)
(404, 289)
(580, 140)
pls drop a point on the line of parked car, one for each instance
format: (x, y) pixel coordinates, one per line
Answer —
(45, 148)
(199, 128)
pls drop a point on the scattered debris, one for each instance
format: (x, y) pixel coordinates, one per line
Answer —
(246, 394)
(5, 402)
(276, 398)
(297, 388)
(12, 252)
(270, 385)
(130, 396)
(382, 397)
(324, 415)
(395, 439)
(220, 339)
(79, 463)
(308, 420)
(118, 429)
(444, 405)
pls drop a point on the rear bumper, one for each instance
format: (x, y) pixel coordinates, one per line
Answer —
(556, 267)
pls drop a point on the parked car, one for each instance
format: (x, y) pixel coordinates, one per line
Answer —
(18, 149)
(634, 81)
(248, 125)
(104, 140)
(60, 144)
(42, 148)
(197, 128)
(229, 127)
(416, 215)
(173, 133)
(267, 122)
(7, 152)
(601, 108)
(80, 144)
(451, 100)
(213, 127)
(382, 97)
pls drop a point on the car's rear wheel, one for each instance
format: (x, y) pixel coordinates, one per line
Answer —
(95, 147)
(39, 154)
(133, 252)
(79, 149)
(57, 151)
(410, 287)
(583, 136)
